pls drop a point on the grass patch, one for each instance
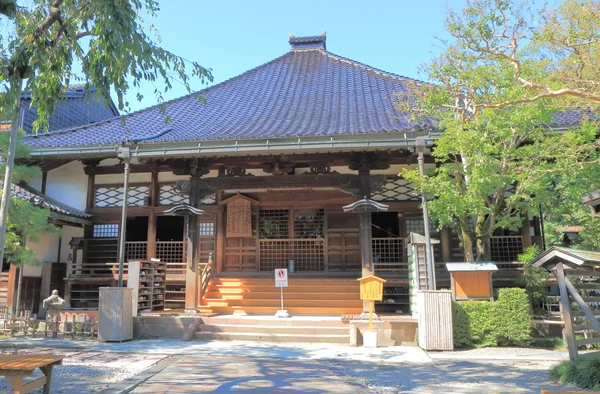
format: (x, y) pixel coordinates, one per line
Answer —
(583, 372)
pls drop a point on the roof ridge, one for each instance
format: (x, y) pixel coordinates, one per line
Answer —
(375, 69)
(199, 92)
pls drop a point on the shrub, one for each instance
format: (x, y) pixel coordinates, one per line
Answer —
(504, 322)
(512, 314)
(462, 326)
(583, 372)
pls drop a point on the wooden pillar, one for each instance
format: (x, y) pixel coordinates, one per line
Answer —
(446, 244)
(44, 181)
(365, 233)
(154, 197)
(90, 190)
(220, 234)
(526, 233)
(11, 285)
(191, 274)
(44, 288)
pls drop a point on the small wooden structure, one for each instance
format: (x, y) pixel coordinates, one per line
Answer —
(15, 366)
(471, 281)
(578, 275)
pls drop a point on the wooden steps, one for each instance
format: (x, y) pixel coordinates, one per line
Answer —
(269, 329)
(327, 296)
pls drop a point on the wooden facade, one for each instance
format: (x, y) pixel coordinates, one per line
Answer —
(255, 222)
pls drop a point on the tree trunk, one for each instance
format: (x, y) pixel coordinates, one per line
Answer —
(15, 88)
(466, 239)
(483, 239)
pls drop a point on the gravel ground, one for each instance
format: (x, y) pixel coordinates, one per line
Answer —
(87, 372)
(451, 377)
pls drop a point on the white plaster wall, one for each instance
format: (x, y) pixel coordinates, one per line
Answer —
(46, 249)
(118, 178)
(68, 184)
(68, 233)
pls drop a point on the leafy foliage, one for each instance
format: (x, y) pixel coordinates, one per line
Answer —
(534, 280)
(48, 40)
(25, 221)
(583, 372)
(502, 323)
(505, 71)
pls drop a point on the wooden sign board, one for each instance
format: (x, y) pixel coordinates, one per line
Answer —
(371, 288)
(239, 217)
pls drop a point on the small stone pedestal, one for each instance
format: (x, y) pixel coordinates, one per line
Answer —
(282, 313)
(370, 339)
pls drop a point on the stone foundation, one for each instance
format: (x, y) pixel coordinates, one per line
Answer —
(397, 332)
(148, 327)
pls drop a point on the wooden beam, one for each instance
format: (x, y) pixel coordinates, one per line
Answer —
(10, 289)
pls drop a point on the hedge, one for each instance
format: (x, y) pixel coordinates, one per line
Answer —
(502, 323)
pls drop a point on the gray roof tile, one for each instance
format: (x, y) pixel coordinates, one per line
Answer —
(28, 193)
(302, 93)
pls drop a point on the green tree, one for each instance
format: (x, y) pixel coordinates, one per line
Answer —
(45, 40)
(495, 86)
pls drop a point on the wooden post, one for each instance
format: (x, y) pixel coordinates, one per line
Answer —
(191, 274)
(154, 197)
(366, 236)
(526, 233)
(90, 191)
(220, 234)
(565, 307)
(10, 289)
(446, 245)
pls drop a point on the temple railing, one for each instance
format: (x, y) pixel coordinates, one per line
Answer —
(308, 254)
(388, 257)
(173, 253)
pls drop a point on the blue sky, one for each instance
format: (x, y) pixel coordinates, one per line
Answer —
(231, 37)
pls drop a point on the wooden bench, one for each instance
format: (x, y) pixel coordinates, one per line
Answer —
(15, 366)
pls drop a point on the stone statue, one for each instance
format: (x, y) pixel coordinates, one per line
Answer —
(53, 305)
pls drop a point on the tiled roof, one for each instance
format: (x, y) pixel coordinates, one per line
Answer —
(27, 193)
(573, 117)
(76, 109)
(303, 93)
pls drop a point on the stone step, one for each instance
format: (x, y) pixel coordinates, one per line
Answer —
(236, 294)
(271, 321)
(273, 329)
(287, 303)
(270, 310)
(268, 337)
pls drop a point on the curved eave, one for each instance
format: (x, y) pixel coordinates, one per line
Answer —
(249, 147)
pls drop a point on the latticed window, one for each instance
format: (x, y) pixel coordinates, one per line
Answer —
(112, 196)
(274, 224)
(418, 226)
(309, 223)
(106, 230)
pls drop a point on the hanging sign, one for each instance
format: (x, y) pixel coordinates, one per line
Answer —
(281, 277)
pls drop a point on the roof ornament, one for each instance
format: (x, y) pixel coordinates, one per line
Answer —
(308, 42)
